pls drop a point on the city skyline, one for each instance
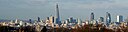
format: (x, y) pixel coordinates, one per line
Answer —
(63, 15)
(26, 9)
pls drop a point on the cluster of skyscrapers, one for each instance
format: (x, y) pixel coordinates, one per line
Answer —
(106, 20)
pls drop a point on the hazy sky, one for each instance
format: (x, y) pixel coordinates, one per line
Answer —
(31, 9)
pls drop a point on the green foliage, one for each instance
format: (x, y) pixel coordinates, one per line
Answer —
(15, 29)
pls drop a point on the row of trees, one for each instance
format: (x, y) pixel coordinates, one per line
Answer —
(85, 28)
(88, 28)
(16, 29)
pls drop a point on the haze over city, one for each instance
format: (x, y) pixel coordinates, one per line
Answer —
(31, 9)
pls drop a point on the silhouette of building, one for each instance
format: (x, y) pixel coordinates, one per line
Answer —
(38, 19)
(108, 18)
(51, 19)
(79, 21)
(119, 18)
(47, 18)
(91, 18)
(30, 20)
(70, 19)
(101, 19)
(57, 15)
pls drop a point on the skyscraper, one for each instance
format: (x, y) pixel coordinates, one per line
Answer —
(119, 18)
(68, 20)
(79, 21)
(51, 19)
(30, 20)
(92, 16)
(108, 18)
(38, 19)
(71, 20)
(101, 19)
(57, 15)
(47, 18)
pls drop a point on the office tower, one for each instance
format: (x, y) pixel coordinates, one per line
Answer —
(67, 21)
(79, 21)
(74, 21)
(51, 19)
(57, 15)
(21, 23)
(96, 23)
(119, 18)
(126, 20)
(91, 18)
(71, 20)
(47, 18)
(101, 19)
(38, 19)
(16, 21)
(30, 20)
(108, 18)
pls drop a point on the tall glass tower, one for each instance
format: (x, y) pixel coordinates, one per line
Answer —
(108, 18)
(92, 16)
(101, 19)
(119, 18)
(57, 15)
(38, 19)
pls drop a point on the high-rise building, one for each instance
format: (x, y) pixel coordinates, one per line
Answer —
(126, 20)
(79, 21)
(30, 20)
(16, 21)
(119, 18)
(47, 18)
(57, 15)
(51, 19)
(108, 18)
(70, 19)
(91, 18)
(38, 19)
(101, 19)
(66, 21)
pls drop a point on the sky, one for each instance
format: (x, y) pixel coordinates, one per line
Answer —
(31, 9)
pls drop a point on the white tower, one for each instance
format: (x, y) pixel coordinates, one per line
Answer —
(119, 18)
